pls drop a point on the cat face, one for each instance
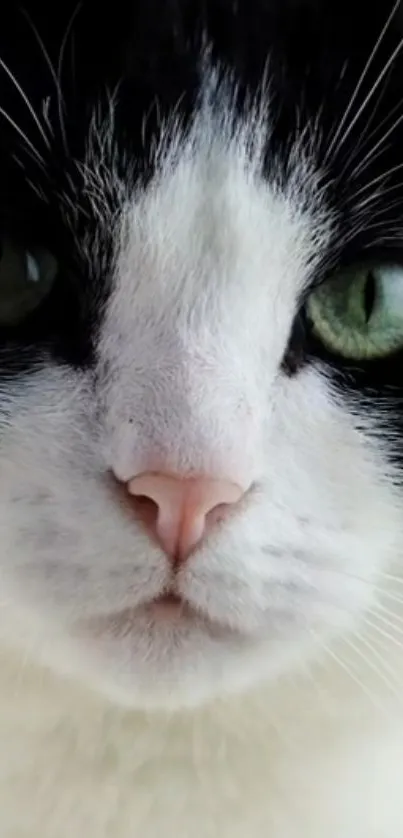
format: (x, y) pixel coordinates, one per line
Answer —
(200, 275)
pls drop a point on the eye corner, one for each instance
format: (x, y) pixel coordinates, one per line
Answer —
(295, 355)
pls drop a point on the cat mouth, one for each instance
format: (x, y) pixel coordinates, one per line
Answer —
(168, 611)
(169, 605)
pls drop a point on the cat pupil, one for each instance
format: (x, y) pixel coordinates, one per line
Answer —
(32, 268)
(369, 296)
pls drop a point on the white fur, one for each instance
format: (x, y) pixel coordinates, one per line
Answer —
(273, 714)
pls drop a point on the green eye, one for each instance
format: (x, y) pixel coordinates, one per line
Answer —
(26, 278)
(359, 314)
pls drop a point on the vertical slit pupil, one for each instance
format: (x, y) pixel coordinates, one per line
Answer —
(32, 267)
(369, 295)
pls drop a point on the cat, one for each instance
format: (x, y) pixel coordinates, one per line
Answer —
(201, 422)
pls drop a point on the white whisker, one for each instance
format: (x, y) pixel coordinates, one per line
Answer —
(373, 666)
(18, 161)
(381, 658)
(23, 136)
(43, 49)
(393, 597)
(386, 611)
(38, 191)
(377, 612)
(376, 155)
(370, 199)
(25, 99)
(363, 139)
(45, 114)
(360, 83)
(372, 135)
(59, 74)
(386, 634)
(379, 179)
(370, 156)
(345, 667)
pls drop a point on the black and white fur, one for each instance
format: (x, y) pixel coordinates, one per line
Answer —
(196, 166)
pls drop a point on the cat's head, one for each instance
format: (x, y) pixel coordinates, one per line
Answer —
(201, 336)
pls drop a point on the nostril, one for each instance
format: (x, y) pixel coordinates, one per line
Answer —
(146, 511)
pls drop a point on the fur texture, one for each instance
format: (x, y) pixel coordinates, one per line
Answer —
(197, 169)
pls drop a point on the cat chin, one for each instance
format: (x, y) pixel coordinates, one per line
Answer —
(167, 663)
(167, 653)
(183, 672)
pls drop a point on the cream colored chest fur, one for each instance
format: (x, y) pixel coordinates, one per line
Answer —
(291, 765)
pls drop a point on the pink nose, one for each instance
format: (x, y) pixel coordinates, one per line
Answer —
(179, 512)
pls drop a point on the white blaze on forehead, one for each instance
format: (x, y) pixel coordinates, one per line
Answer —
(211, 240)
(211, 261)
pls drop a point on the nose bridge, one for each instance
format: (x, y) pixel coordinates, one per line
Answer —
(183, 406)
(200, 412)
(198, 394)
